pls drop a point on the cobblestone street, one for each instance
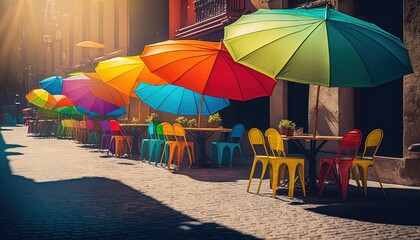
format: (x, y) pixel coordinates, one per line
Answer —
(58, 189)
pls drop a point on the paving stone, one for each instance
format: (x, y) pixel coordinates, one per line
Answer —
(56, 189)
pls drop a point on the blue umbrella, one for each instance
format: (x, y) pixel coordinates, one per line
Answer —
(52, 84)
(116, 113)
(179, 100)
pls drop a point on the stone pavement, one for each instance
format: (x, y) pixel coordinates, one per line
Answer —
(58, 189)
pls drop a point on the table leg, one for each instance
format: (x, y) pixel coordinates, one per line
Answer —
(201, 138)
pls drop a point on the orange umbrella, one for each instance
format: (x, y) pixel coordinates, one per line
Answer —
(63, 101)
(90, 44)
(41, 98)
(207, 68)
(125, 73)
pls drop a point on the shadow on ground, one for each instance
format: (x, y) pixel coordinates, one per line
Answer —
(91, 208)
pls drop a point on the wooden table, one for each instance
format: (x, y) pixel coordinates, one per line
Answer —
(311, 153)
(135, 130)
(201, 135)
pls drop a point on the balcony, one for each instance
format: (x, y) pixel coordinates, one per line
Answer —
(211, 16)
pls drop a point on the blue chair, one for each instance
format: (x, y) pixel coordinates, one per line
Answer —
(156, 146)
(232, 142)
(145, 143)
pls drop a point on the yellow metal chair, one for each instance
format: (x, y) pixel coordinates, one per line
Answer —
(372, 143)
(267, 133)
(257, 141)
(292, 163)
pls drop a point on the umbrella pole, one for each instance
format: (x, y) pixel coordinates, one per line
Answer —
(316, 110)
(199, 113)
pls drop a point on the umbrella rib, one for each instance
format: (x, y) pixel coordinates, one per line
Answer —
(300, 45)
(378, 44)
(280, 38)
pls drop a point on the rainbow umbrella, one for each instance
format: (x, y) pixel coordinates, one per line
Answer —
(317, 46)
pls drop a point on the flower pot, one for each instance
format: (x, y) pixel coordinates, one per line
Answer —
(283, 131)
(289, 132)
(213, 125)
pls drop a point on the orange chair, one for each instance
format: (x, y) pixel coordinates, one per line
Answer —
(292, 163)
(372, 143)
(340, 165)
(120, 144)
(175, 140)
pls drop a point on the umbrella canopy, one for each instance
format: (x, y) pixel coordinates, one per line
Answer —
(90, 93)
(179, 100)
(317, 46)
(207, 68)
(90, 44)
(125, 73)
(70, 111)
(41, 98)
(52, 84)
(63, 101)
(116, 113)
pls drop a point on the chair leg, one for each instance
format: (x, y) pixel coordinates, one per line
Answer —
(301, 170)
(379, 180)
(356, 178)
(251, 174)
(275, 165)
(292, 173)
(264, 169)
(324, 178)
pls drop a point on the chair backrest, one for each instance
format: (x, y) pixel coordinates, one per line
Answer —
(349, 144)
(151, 130)
(168, 131)
(90, 125)
(268, 132)
(236, 134)
(276, 144)
(106, 129)
(257, 141)
(159, 132)
(179, 132)
(115, 128)
(372, 142)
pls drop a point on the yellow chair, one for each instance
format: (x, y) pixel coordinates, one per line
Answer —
(372, 143)
(267, 133)
(280, 159)
(256, 139)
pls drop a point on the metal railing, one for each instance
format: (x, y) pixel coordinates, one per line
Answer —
(206, 9)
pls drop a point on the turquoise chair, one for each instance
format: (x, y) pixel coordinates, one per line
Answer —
(233, 142)
(156, 146)
(145, 143)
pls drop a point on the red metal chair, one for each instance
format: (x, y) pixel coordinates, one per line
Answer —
(120, 144)
(341, 163)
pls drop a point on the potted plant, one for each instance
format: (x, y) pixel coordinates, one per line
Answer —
(287, 127)
(215, 120)
(192, 122)
(181, 120)
(153, 117)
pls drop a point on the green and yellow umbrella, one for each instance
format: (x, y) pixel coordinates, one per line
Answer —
(41, 98)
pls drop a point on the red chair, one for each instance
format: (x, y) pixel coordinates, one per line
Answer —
(120, 144)
(341, 163)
